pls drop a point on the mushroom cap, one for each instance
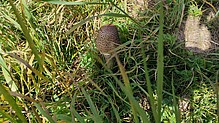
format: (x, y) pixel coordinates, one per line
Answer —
(107, 39)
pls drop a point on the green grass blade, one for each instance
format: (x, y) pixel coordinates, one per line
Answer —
(217, 95)
(176, 107)
(25, 30)
(28, 65)
(141, 112)
(96, 117)
(71, 3)
(160, 64)
(5, 115)
(125, 13)
(135, 104)
(128, 91)
(12, 103)
(128, 88)
(49, 118)
(150, 92)
(109, 98)
(116, 93)
(12, 21)
(115, 111)
(7, 76)
(77, 116)
(74, 113)
(64, 118)
(31, 19)
(79, 24)
(113, 15)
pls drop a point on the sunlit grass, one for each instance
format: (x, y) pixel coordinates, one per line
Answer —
(51, 70)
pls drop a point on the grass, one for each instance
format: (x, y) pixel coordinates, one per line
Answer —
(52, 72)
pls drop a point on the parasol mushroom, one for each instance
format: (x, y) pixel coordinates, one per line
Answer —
(106, 42)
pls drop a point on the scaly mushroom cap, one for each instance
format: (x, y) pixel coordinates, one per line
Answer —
(107, 39)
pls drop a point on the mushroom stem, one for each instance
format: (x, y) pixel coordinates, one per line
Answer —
(109, 61)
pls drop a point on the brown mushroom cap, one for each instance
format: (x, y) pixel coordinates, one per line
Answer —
(107, 39)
